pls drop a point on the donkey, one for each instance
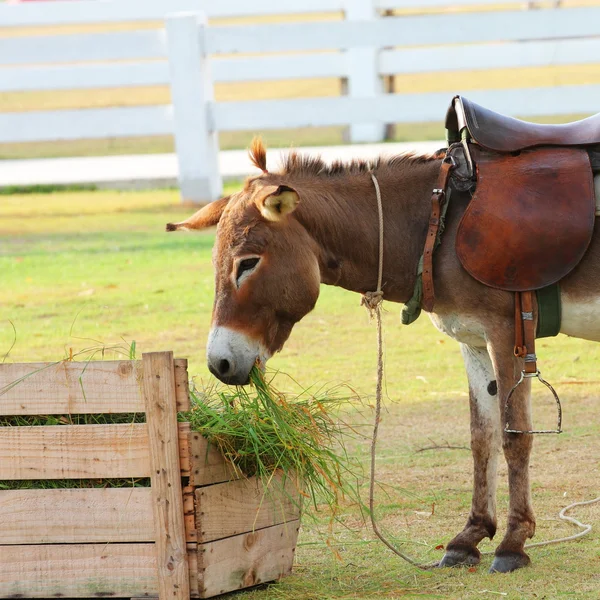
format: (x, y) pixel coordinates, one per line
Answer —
(286, 232)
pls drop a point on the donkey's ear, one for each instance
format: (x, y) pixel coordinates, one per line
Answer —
(278, 202)
(207, 216)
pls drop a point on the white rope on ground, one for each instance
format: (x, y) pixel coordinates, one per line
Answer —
(372, 301)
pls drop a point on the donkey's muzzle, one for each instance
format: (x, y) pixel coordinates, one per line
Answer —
(231, 355)
(224, 370)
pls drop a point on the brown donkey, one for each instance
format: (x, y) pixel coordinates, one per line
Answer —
(287, 232)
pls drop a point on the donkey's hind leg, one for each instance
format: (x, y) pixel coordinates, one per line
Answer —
(510, 554)
(485, 445)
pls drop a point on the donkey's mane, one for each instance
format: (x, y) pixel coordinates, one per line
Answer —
(314, 166)
(305, 165)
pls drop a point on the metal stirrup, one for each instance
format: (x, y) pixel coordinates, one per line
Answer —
(537, 375)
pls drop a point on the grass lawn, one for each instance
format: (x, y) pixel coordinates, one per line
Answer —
(81, 269)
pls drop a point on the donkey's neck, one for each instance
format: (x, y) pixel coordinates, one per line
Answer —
(339, 211)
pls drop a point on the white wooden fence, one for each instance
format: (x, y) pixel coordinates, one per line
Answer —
(362, 49)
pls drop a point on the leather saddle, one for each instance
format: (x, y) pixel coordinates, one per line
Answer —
(531, 217)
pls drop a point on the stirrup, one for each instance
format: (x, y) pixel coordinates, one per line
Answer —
(537, 375)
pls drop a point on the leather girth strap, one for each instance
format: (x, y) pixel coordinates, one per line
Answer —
(525, 330)
(438, 198)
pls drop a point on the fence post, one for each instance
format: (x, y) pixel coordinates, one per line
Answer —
(196, 141)
(363, 73)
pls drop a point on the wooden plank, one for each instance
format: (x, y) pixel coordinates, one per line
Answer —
(69, 387)
(248, 559)
(235, 507)
(103, 11)
(421, 30)
(182, 384)
(189, 514)
(84, 76)
(207, 465)
(74, 452)
(78, 570)
(71, 516)
(77, 451)
(192, 552)
(85, 123)
(73, 48)
(395, 108)
(167, 498)
(471, 57)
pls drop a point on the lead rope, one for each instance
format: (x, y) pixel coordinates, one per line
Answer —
(372, 302)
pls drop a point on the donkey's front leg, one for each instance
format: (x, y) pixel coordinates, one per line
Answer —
(485, 445)
(510, 554)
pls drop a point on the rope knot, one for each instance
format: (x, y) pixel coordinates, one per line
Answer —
(371, 301)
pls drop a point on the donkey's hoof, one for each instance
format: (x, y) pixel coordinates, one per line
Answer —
(509, 561)
(456, 557)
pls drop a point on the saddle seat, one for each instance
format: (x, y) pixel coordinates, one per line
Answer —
(498, 132)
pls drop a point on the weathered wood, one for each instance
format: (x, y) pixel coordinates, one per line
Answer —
(207, 465)
(70, 387)
(70, 516)
(235, 507)
(192, 553)
(189, 514)
(78, 570)
(245, 560)
(182, 384)
(74, 452)
(78, 451)
(167, 498)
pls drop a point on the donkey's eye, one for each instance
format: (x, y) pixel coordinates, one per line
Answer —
(245, 267)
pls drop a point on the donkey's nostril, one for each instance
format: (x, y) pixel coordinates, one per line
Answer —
(224, 366)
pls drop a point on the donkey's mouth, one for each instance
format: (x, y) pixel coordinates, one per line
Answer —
(235, 379)
(231, 355)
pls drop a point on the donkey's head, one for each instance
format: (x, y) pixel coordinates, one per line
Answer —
(266, 272)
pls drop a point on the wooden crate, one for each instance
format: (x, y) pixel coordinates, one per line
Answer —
(197, 531)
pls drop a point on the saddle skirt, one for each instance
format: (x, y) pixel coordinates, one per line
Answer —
(531, 218)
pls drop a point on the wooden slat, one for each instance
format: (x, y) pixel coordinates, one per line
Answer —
(71, 516)
(78, 570)
(247, 559)
(79, 47)
(423, 30)
(85, 123)
(189, 514)
(470, 57)
(74, 452)
(182, 384)
(235, 507)
(70, 387)
(167, 498)
(207, 465)
(78, 451)
(84, 76)
(394, 108)
(103, 11)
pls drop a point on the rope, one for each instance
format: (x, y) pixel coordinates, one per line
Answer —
(562, 515)
(372, 301)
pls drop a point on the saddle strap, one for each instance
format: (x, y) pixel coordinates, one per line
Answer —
(525, 330)
(438, 198)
